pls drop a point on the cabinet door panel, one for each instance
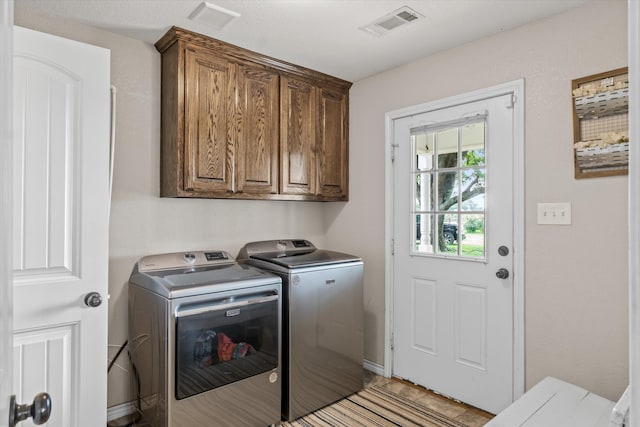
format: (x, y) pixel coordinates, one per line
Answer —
(209, 123)
(333, 149)
(257, 165)
(298, 137)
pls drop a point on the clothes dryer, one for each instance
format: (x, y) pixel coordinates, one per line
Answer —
(204, 340)
(323, 321)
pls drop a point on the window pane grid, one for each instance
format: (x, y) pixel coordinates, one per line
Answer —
(448, 172)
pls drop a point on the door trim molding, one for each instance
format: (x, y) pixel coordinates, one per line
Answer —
(516, 88)
(634, 213)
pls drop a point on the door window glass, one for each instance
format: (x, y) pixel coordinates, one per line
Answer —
(449, 211)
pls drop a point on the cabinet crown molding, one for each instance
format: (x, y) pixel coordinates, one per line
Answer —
(177, 34)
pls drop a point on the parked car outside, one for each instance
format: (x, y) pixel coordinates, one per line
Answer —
(449, 232)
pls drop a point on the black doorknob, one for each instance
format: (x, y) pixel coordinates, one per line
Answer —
(503, 273)
(93, 299)
(39, 410)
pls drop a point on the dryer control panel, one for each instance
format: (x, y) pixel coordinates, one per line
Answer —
(184, 259)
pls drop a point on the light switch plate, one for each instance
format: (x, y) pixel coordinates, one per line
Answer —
(554, 213)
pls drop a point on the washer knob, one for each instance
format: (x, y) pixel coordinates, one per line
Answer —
(189, 257)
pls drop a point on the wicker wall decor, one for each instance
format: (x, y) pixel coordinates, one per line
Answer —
(601, 124)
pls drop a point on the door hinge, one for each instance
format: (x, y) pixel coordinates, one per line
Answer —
(511, 101)
(391, 342)
(393, 246)
(393, 151)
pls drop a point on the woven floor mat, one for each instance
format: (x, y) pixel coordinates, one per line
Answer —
(372, 407)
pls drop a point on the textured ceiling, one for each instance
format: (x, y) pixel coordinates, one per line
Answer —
(324, 35)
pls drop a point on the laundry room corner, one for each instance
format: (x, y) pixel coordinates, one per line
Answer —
(143, 223)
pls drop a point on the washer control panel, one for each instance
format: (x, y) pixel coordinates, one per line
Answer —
(184, 259)
(281, 248)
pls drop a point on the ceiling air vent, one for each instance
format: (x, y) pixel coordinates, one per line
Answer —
(213, 15)
(391, 21)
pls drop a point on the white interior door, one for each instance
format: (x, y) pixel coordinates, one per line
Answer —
(6, 142)
(453, 234)
(60, 230)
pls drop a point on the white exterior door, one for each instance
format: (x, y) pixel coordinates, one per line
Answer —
(60, 225)
(453, 230)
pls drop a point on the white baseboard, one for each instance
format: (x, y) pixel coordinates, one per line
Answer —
(119, 411)
(128, 408)
(373, 367)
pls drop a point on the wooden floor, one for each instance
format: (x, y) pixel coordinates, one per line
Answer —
(465, 414)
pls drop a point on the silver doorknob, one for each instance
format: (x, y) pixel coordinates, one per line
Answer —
(39, 410)
(93, 299)
(503, 273)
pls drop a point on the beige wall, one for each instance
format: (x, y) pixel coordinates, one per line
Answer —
(576, 312)
(576, 276)
(142, 223)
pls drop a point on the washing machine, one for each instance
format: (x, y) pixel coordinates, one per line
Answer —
(204, 341)
(323, 321)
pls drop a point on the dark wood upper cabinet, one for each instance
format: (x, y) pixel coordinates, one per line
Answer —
(333, 144)
(298, 137)
(257, 130)
(209, 118)
(238, 124)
